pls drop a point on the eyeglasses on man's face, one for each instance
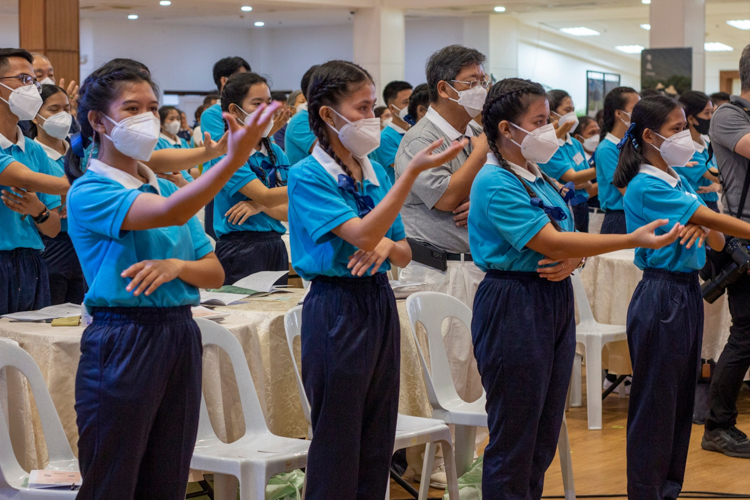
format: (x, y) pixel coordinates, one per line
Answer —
(25, 80)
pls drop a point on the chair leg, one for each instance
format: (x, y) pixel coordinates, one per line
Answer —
(304, 485)
(594, 382)
(563, 447)
(576, 398)
(465, 446)
(427, 464)
(450, 471)
(225, 487)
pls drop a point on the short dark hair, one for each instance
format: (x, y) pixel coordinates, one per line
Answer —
(209, 98)
(720, 96)
(6, 54)
(390, 92)
(164, 112)
(227, 67)
(745, 68)
(555, 98)
(447, 63)
(420, 97)
(379, 111)
(305, 82)
(278, 96)
(693, 102)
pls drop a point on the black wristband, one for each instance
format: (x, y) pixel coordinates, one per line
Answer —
(42, 217)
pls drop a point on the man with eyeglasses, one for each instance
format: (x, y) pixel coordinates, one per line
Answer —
(24, 171)
(436, 210)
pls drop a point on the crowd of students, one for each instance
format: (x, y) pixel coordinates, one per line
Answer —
(475, 189)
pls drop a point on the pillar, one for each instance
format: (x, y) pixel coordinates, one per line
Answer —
(50, 27)
(379, 44)
(681, 23)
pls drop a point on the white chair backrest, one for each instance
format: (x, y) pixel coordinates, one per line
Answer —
(214, 334)
(431, 309)
(11, 355)
(582, 301)
(293, 327)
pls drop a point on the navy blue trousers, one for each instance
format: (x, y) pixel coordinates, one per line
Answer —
(66, 282)
(713, 205)
(581, 216)
(138, 393)
(614, 222)
(665, 332)
(523, 331)
(351, 350)
(243, 253)
(24, 285)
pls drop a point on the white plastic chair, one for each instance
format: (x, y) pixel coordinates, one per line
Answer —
(593, 336)
(61, 456)
(256, 456)
(431, 309)
(410, 431)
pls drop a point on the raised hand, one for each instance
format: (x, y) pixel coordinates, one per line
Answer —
(426, 159)
(241, 139)
(214, 148)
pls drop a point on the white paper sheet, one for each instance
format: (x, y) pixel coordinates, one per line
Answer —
(39, 479)
(220, 298)
(48, 313)
(205, 313)
(262, 281)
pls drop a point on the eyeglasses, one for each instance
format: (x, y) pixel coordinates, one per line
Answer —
(26, 80)
(485, 84)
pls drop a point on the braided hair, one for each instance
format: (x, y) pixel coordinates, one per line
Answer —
(98, 91)
(235, 91)
(615, 100)
(330, 83)
(508, 100)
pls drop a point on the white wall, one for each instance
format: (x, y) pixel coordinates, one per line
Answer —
(8, 31)
(720, 61)
(425, 36)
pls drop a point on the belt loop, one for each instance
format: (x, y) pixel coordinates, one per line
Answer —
(462, 258)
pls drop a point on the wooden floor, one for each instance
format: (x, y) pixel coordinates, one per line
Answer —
(599, 456)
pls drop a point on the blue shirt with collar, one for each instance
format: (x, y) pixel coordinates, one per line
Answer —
(17, 233)
(502, 219)
(654, 194)
(97, 205)
(317, 206)
(606, 157)
(57, 164)
(230, 194)
(569, 156)
(212, 122)
(694, 174)
(299, 137)
(167, 143)
(390, 140)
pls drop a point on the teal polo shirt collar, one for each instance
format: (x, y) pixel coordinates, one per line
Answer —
(5, 143)
(670, 177)
(530, 175)
(333, 168)
(124, 179)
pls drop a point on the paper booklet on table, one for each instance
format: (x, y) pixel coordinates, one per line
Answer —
(220, 298)
(263, 282)
(39, 479)
(206, 313)
(48, 313)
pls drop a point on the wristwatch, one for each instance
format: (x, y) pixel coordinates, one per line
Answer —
(42, 217)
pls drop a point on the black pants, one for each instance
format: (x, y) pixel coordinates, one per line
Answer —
(243, 253)
(581, 216)
(734, 360)
(523, 331)
(713, 205)
(208, 220)
(66, 283)
(614, 222)
(665, 332)
(24, 284)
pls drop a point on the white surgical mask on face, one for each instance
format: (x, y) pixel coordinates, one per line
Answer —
(401, 112)
(47, 81)
(676, 150)
(472, 100)
(302, 107)
(24, 102)
(540, 144)
(387, 122)
(591, 143)
(57, 125)
(627, 123)
(172, 127)
(136, 136)
(248, 117)
(568, 117)
(360, 137)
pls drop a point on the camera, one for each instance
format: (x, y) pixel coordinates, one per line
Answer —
(733, 262)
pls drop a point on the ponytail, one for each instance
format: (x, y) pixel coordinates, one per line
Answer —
(616, 100)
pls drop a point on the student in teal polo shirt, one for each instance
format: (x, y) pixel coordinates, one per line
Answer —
(24, 214)
(169, 117)
(299, 138)
(396, 96)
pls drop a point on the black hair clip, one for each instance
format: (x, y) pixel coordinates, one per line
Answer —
(629, 136)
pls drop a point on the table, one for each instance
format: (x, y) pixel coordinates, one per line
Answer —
(610, 302)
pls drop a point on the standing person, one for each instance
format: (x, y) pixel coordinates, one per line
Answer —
(250, 207)
(665, 316)
(730, 138)
(170, 122)
(50, 130)
(208, 101)
(299, 137)
(24, 282)
(569, 164)
(419, 102)
(618, 105)
(587, 133)
(346, 232)
(144, 255)
(699, 109)
(396, 96)
(185, 132)
(522, 235)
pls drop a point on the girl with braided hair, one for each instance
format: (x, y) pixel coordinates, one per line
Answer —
(521, 233)
(345, 232)
(249, 209)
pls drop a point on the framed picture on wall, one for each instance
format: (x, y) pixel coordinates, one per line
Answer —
(598, 84)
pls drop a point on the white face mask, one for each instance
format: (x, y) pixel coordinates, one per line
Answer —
(472, 100)
(57, 125)
(361, 137)
(568, 117)
(24, 102)
(47, 81)
(627, 123)
(302, 107)
(400, 112)
(591, 143)
(172, 127)
(248, 117)
(136, 136)
(676, 150)
(387, 122)
(540, 144)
